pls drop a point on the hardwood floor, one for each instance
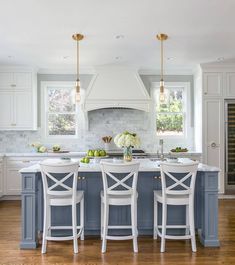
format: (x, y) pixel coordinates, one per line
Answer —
(177, 252)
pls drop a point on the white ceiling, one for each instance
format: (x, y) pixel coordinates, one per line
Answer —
(38, 32)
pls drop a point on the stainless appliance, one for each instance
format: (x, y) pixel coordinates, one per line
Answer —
(230, 145)
(136, 153)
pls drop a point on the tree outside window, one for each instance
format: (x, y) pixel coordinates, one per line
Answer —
(170, 114)
(61, 117)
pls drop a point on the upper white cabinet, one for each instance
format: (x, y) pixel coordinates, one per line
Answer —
(18, 99)
(230, 85)
(213, 84)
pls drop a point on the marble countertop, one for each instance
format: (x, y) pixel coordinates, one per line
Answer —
(83, 153)
(145, 165)
(46, 154)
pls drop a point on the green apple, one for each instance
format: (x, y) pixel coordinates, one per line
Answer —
(96, 153)
(87, 160)
(90, 153)
(102, 153)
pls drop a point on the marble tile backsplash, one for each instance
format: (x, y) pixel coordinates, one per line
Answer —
(100, 123)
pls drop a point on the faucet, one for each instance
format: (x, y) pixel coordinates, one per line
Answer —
(161, 154)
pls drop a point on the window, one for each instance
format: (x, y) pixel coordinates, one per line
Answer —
(171, 118)
(60, 115)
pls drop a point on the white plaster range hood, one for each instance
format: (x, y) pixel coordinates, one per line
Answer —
(116, 87)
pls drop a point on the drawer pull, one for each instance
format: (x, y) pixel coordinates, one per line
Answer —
(26, 161)
(157, 177)
(79, 177)
(83, 177)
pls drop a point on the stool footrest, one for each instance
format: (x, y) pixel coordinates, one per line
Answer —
(119, 227)
(119, 237)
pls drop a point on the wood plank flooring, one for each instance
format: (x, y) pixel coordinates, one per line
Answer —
(118, 253)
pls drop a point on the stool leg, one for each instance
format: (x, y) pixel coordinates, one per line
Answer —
(187, 230)
(134, 225)
(155, 219)
(45, 227)
(74, 224)
(164, 222)
(101, 219)
(82, 218)
(192, 226)
(105, 228)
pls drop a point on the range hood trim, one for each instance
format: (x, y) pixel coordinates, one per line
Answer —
(93, 100)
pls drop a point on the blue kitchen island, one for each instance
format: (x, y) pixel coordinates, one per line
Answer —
(90, 180)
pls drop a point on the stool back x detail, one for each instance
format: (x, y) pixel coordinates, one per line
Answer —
(120, 188)
(178, 185)
(60, 189)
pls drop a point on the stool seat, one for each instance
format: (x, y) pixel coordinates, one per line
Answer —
(118, 199)
(65, 200)
(171, 199)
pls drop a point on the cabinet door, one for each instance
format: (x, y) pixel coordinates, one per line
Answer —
(6, 110)
(147, 183)
(1, 177)
(213, 136)
(23, 110)
(212, 84)
(92, 185)
(22, 81)
(230, 85)
(13, 181)
(6, 81)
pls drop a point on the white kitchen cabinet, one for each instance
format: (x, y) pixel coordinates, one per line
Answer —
(213, 84)
(18, 100)
(12, 176)
(6, 109)
(15, 80)
(23, 107)
(1, 177)
(230, 85)
(213, 140)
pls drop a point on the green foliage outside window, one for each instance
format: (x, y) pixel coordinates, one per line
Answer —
(61, 111)
(170, 118)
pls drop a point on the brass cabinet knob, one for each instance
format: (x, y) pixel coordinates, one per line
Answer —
(79, 177)
(157, 177)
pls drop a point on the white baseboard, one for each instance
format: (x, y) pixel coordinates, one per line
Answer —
(10, 198)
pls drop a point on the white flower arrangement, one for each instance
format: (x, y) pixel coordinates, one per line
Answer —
(127, 139)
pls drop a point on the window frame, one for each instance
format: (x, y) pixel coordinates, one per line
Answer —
(45, 114)
(186, 111)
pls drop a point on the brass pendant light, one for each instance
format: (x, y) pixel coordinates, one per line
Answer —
(162, 97)
(77, 37)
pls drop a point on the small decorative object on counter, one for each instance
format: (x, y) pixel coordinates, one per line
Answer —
(127, 141)
(179, 150)
(56, 148)
(107, 140)
(39, 147)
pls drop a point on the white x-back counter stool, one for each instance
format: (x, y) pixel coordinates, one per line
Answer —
(60, 189)
(118, 191)
(178, 185)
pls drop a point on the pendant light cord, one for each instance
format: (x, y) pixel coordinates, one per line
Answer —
(77, 60)
(162, 60)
